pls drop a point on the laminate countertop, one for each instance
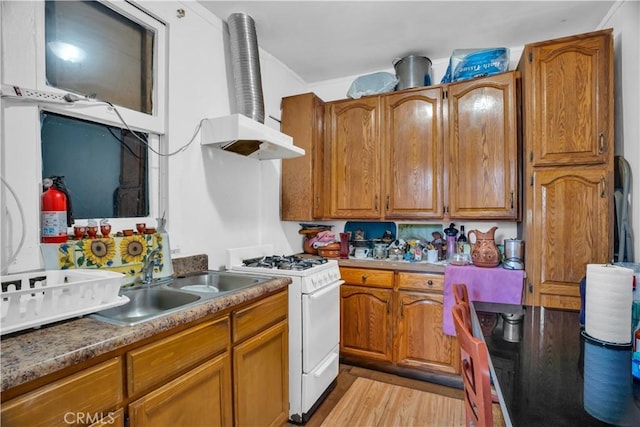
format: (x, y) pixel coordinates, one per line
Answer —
(33, 353)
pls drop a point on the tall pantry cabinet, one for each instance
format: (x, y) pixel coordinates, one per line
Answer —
(567, 88)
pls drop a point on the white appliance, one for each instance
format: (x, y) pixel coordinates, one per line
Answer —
(314, 325)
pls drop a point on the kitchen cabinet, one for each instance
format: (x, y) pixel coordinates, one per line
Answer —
(353, 177)
(229, 368)
(420, 341)
(260, 363)
(302, 192)
(412, 133)
(395, 319)
(482, 148)
(567, 88)
(82, 398)
(200, 393)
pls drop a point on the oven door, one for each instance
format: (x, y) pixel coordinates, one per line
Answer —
(320, 324)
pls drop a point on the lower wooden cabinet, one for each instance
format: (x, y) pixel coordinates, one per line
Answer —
(399, 321)
(261, 378)
(80, 399)
(201, 397)
(182, 379)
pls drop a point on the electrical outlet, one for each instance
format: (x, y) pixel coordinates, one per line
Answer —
(33, 95)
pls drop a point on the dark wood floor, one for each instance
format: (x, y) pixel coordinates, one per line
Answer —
(348, 374)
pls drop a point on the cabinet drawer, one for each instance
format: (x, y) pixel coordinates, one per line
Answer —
(86, 395)
(251, 320)
(421, 281)
(367, 277)
(155, 363)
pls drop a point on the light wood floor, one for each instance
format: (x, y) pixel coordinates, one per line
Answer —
(383, 399)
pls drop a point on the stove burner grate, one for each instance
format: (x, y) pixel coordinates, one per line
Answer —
(284, 262)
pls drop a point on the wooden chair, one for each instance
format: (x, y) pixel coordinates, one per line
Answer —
(460, 292)
(475, 370)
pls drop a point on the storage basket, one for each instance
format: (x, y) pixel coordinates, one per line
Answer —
(37, 298)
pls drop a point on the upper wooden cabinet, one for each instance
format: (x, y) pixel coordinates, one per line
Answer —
(302, 193)
(412, 134)
(569, 109)
(482, 148)
(353, 159)
(567, 89)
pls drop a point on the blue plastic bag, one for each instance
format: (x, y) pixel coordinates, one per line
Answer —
(372, 84)
(466, 64)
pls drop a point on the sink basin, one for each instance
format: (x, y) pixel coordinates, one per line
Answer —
(147, 303)
(215, 282)
(172, 294)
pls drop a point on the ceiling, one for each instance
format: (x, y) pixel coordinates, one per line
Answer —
(322, 40)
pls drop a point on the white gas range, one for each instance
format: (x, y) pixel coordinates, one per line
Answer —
(314, 320)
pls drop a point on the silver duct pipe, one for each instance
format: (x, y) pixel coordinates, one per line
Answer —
(245, 62)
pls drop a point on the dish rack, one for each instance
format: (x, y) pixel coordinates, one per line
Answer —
(33, 299)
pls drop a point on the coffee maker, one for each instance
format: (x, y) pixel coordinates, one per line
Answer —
(513, 254)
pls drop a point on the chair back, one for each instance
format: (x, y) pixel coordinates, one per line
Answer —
(475, 370)
(460, 292)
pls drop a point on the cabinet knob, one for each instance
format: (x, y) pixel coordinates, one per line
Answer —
(601, 144)
(364, 278)
(430, 282)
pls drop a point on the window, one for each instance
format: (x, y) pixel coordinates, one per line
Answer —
(94, 50)
(104, 167)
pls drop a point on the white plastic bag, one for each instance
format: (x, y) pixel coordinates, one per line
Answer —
(372, 84)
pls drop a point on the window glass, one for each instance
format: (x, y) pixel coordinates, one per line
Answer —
(105, 168)
(95, 51)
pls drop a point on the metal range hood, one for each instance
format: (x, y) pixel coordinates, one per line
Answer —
(245, 133)
(241, 135)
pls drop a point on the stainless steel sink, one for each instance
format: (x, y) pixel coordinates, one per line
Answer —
(215, 282)
(169, 295)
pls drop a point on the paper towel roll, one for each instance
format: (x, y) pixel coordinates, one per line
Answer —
(609, 297)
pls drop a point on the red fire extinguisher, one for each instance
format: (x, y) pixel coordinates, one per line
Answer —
(56, 211)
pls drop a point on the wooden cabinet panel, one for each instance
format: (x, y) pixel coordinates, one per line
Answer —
(367, 277)
(201, 397)
(261, 378)
(112, 419)
(567, 87)
(79, 399)
(420, 281)
(302, 177)
(155, 363)
(572, 220)
(412, 161)
(573, 98)
(420, 340)
(365, 317)
(259, 316)
(483, 148)
(353, 172)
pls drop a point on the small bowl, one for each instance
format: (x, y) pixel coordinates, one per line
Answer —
(127, 232)
(149, 230)
(460, 259)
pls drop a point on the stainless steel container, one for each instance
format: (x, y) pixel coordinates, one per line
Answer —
(412, 71)
(514, 249)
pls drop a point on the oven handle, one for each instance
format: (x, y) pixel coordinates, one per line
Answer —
(320, 369)
(320, 292)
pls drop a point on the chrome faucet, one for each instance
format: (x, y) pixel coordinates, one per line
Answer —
(147, 268)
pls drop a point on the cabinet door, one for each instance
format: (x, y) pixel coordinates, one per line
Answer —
(79, 399)
(261, 378)
(571, 104)
(412, 161)
(482, 144)
(365, 322)
(354, 159)
(201, 397)
(572, 228)
(420, 341)
(302, 177)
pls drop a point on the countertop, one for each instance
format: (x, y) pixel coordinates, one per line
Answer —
(30, 354)
(418, 267)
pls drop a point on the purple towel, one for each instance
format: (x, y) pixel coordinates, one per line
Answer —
(483, 284)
